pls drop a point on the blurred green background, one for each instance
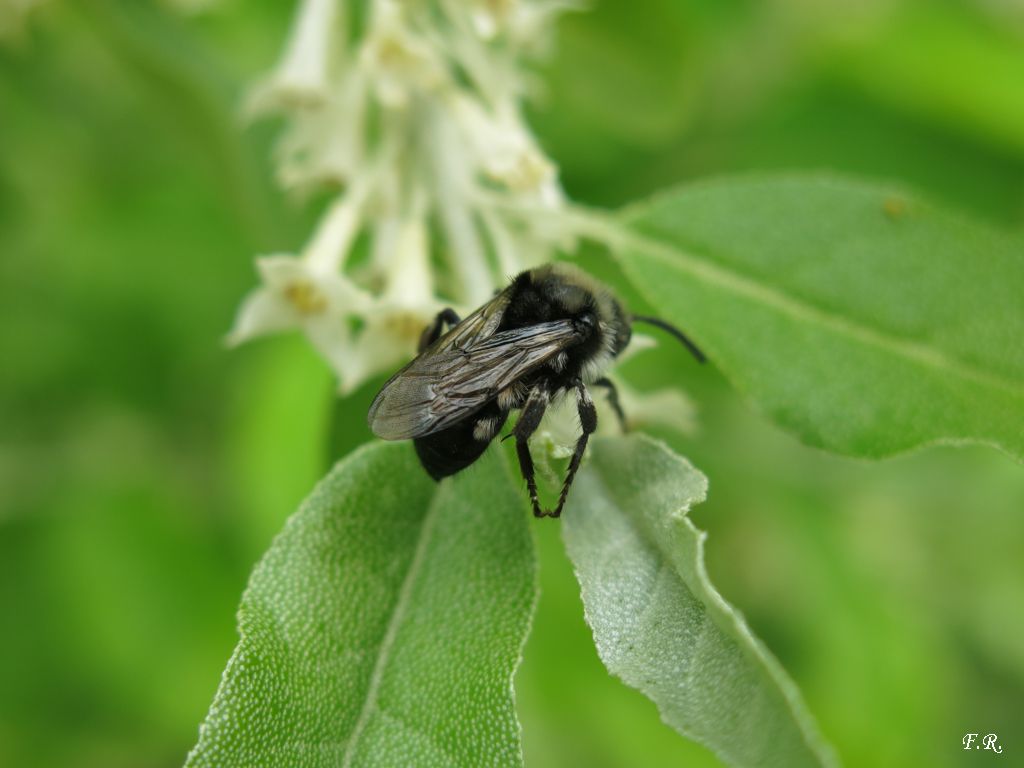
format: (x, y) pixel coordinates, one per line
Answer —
(144, 467)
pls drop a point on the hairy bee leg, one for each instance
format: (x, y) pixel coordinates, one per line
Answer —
(529, 420)
(613, 400)
(588, 425)
(432, 332)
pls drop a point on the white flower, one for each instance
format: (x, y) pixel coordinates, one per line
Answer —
(400, 61)
(301, 77)
(295, 296)
(666, 407)
(386, 341)
(530, 24)
(395, 321)
(309, 292)
(506, 152)
(409, 280)
(326, 144)
(490, 16)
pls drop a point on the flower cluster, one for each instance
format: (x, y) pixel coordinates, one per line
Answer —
(412, 112)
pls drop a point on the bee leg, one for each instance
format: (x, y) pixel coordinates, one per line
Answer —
(588, 424)
(613, 400)
(529, 420)
(432, 332)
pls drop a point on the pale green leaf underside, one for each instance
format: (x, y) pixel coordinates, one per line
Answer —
(658, 622)
(383, 626)
(865, 321)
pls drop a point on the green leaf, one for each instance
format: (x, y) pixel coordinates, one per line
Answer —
(658, 622)
(384, 624)
(864, 320)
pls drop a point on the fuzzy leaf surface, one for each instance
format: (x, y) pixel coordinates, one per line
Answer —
(383, 625)
(865, 321)
(658, 622)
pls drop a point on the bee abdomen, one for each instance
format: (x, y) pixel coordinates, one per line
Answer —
(486, 428)
(451, 450)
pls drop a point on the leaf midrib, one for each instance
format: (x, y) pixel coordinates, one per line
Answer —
(394, 624)
(618, 236)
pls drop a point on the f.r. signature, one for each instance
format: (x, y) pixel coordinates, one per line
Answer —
(989, 741)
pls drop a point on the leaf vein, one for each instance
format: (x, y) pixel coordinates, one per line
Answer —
(616, 237)
(394, 623)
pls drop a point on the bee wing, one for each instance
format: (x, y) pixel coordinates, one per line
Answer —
(479, 325)
(445, 385)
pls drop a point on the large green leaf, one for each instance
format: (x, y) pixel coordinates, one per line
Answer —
(383, 626)
(866, 321)
(658, 622)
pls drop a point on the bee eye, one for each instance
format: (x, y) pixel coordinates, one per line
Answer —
(585, 324)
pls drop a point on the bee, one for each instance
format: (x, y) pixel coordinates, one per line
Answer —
(551, 332)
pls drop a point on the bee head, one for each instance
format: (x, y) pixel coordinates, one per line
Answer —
(575, 294)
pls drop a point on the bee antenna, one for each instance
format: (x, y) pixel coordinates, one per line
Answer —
(658, 323)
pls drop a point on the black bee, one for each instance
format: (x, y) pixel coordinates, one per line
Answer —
(551, 331)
